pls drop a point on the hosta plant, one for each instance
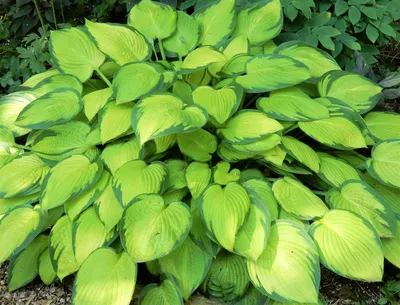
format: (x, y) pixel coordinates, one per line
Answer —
(196, 148)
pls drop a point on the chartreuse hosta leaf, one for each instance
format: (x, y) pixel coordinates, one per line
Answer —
(136, 80)
(7, 204)
(335, 171)
(292, 108)
(301, 152)
(23, 268)
(256, 147)
(240, 129)
(260, 22)
(220, 104)
(176, 174)
(56, 107)
(198, 145)
(268, 72)
(227, 280)
(252, 297)
(229, 155)
(37, 78)
(166, 293)
(115, 120)
(216, 22)
(22, 176)
(273, 302)
(153, 19)
(236, 46)
(57, 82)
(358, 197)
(336, 132)
(11, 106)
(151, 229)
(188, 265)
(136, 177)
(121, 43)
(74, 53)
(8, 151)
(200, 58)
(198, 176)
(222, 176)
(112, 284)
(185, 37)
(165, 114)
(319, 62)
(46, 270)
(95, 101)
(297, 199)
(353, 89)
(18, 228)
(383, 125)
(384, 164)
(61, 249)
(391, 247)
(288, 270)
(348, 245)
(183, 90)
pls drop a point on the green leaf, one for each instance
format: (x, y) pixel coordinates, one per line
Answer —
(220, 104)
(341, 7)
(198, 176)
(370, 12)
(112, 284)
(121, 43)
(318, 61)
(387, 30)
(383, 125)
(115, 120)
(60, 247)
(176, 174)
(271, 72)
(384, 163)
(288, 245)
(22, 176)
(95, 101)
(56, 82)
(37, 78)
(153, 19)
(354, 14)
(136, 177)
(150, 229)
(297, 199)
(372, 33)
(165, 293)
(229, 155)
(236, 65)
(46, 270)
(10, 203)
(74, 53)
(25, 266)
(360, 198)
(198, 145)
(301, 152)
(260, 22)
(79, 173)
(336, 132)
(185, 37)
(252, 297)
(200, 58)
(338, 236)
(7, 150)
(257, 147)
(224, 211)
(222, 176)
(240, 129)
(188, 265)
(391, 247)
(165, 114)
(57, 107)
(146, 77)
(335, 171)
(216, 22)
(18, 227)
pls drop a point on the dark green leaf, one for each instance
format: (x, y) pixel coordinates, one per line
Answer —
(341, 7)
(369, 11)
(354, 14)
(387, 30)
(291, 12)
(327, 31)
(372, 33)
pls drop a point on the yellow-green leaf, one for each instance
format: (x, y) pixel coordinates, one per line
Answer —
(165, 293)
(46, 270)
(301, 152)
(198, 176)
(391, 247)
(383, 125)
(200, 58)
(198, 145)
(95, 101)
(115, 120)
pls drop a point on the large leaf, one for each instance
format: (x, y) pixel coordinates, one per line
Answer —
(353, 89)
(94, 101)
(57, 82)
(391, 247)
(216, 22)
(349, 246)
(257, 147)
(198, 145)
(319, 62)
(22, 176)
(151, 229)
(297, 199)
(37, 78)
(136, 80)
(301, 152)
(120, 43)
(198, 176)
(153, 19)
(115, 120)
(384, 163)
(269, 72)
(288, 270)
(200, 58)
(18, 228)
(188, 265)
(68, 179)
(165, 293)
(165, 114)
(74, 53)
(260, 22)
(57, 107)
(240, 129)
(136, 177)
(224, 211)
(7, 204)
(383, 125)
(336, 132)
(46, 270)
(112, 284)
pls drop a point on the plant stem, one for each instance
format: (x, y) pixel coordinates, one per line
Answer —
(40, 17)
(293, 127)
(103, 77)
(251, 101)
(54, 13)
(154, 51)
(62, 11)
(23, 147)
(272, 179)
(162, 49)
(319, 193)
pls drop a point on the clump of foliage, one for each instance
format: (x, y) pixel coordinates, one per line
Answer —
(194, 147)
